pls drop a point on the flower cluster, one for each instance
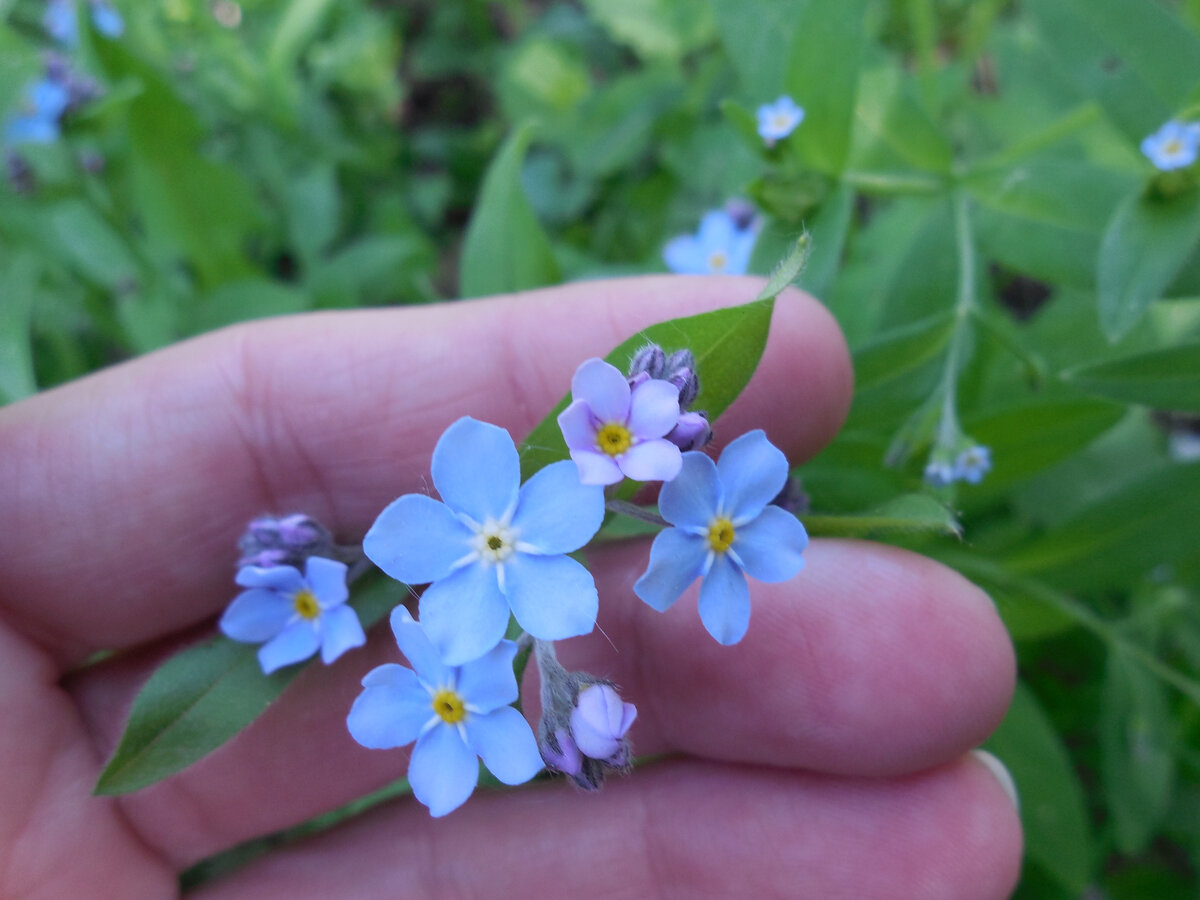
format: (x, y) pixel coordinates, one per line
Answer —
(492, 555)
(1176, 145)
(721, 246)
(779, 119)
(970, 465)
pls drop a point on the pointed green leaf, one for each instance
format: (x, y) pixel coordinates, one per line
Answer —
(505, 248)
(1145, 245)
(206, 694)
(901, 350)
(1167, 378)
(1057, 835)
(907, 514)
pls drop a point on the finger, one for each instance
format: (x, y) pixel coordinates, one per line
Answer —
(136, 482)
(679, 829)
(873, 661)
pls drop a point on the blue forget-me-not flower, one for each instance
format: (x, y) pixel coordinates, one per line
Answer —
(294, 614)
(61, 24)
(491, 544)
(779, 119)
(454, 713)
(719, 247)
(973, 463)
(1174, 146)
(724, 530)
(43, 105)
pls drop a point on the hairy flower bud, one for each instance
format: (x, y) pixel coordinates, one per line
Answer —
(691, 432)
(792, 498)
(680, 370)
(584, 722)
(287, 541)
(649, 360)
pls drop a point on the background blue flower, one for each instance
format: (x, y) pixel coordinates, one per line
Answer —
(719, 247)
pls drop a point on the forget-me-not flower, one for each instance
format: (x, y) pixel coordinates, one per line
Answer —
(719, 247)
(724, 530)
(973, 463)
(43, 105)
(492, 544)
(614, 430)
(1174, 146)
(61, 24)
(779, 119)
(294, 614)
(454, 713)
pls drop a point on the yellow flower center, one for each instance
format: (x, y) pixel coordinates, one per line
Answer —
(720, 534)
(306, 605)
(1173, 147)
(614, 439)
(781, 121)
(449, 706)
(717, 260)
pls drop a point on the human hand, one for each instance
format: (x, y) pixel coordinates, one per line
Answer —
(824, 756)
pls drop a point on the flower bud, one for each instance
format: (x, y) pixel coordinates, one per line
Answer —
(691, 432)
(650, 360)
(792, 498)
(742, 212)
(286, 541)
(939, 473)
(599, 722)
(680, 370)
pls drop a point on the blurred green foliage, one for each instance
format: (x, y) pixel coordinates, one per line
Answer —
(1003, 260)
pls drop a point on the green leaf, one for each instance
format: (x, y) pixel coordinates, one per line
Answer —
(830, 226)
(655, 29)
(901, 350)
(810, 50)
(727, 344)
(907, 514)
(1167, 378)
(18, 285)
(1057, 835)
(1147, 242)
(893, 128)
(92, 246)
(1136, 764)
(505, 248)
(206, 694)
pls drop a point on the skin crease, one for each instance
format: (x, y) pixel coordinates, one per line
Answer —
(821, 757)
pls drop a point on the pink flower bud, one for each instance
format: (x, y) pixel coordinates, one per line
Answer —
(691, 432)
(599, 723)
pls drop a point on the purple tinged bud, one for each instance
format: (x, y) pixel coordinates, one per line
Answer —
(285, 541)
(680, 370)
(599, 723)
(691, 432)
(19, 172)
(792, 498)
(299, 530)
(561, 753)
(650, 359)
(742, 212)
(639, 378)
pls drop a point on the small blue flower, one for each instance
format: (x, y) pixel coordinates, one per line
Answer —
(720, 247)
(939, 473)
(492, 544)
(106, 19)
(454, 713)
(43, 105)
(973, 463)
(59, 22)
(779, 119)
(1174, 146)
(724, 530)
(294, 614)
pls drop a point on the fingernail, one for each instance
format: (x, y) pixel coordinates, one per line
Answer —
(999, 770)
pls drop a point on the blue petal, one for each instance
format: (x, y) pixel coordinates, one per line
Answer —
(443, 771)
(506, 744)
(296, 642)
(657, 460)
(327, 578)
(476, 469)
(576, 424)
(725, 601)
(717, 231)
(418, 649)
(770, 547)
(740, 252)
(676, 560)
(49, 98)
(596, 468)
(417, 539)
(255, 616)
(488, 683)
(392, 709)
(692, 498)
(684, 256)
(30, 130)
(107, 20)
(752, 472)
(553, 597)
(557, 514)
(653, 408)
(285, 579)
(464, 614)
(340, 631)
(603, 388)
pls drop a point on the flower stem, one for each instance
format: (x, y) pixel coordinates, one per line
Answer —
(625, 508)
(964, 308)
